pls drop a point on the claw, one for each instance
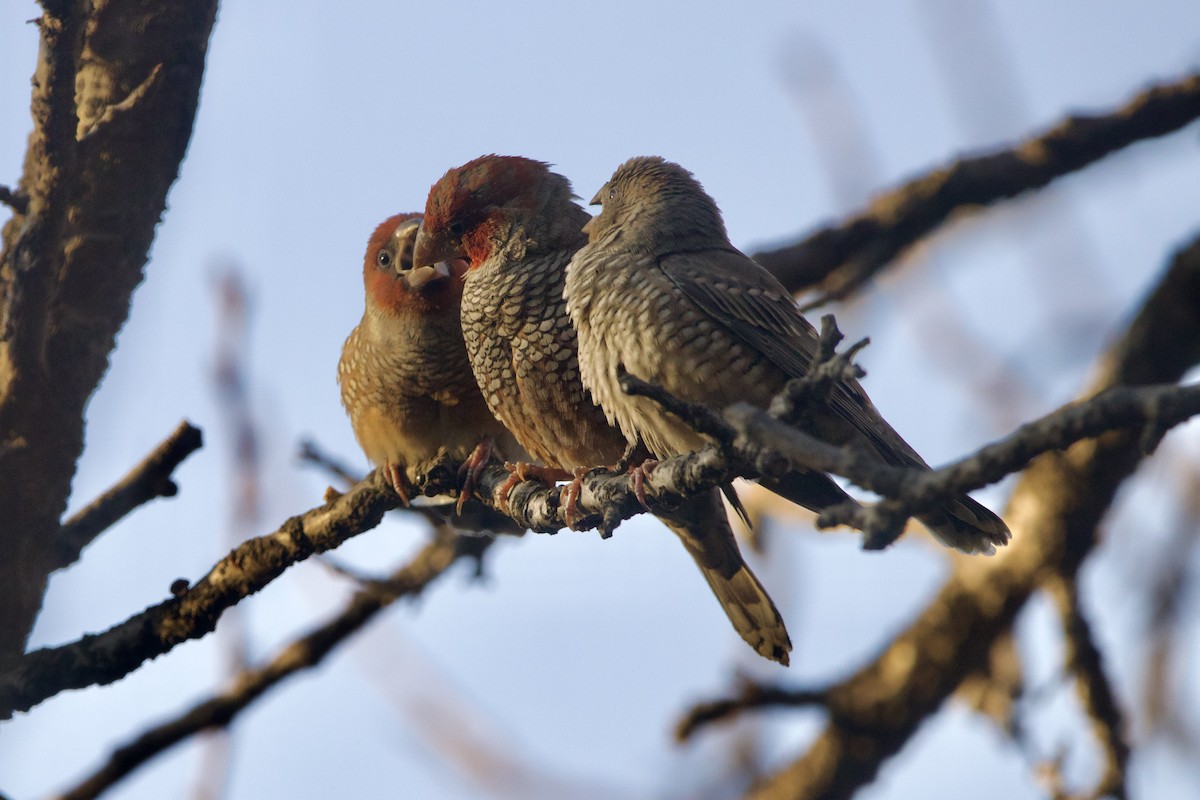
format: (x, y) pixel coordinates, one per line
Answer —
(398, 481)
(569, 497)
(523, 471)
(637, 476)
(471, 469)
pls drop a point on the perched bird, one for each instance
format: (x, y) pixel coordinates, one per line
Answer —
(517, 225)
(405, 379)
(660, 292)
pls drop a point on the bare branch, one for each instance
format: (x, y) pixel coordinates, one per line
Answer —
(145, 482)
(311, 453)
(1096, 695)
(70, 263)
(750, 695)
(193, 613)
(1054, 514)
(838, 259)
(18, 202)
(304, 653)
(1148, 410)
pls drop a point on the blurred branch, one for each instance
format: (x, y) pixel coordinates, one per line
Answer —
(1169, 587)
(837, 260)
(304, 653)
(19, 203)
(1054, 513)
(311, 453)
(113, 101)
(148, 480)
(1096, 695)
(750, 695)
(193, 613)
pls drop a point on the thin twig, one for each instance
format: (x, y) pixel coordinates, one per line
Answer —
(911, 491)
(148, 480)
(1056, 509)
(839, 259)
(192, 612)
(18, 202)
(749, 696)
(311, 453)
(304, 653)
(1096, 695)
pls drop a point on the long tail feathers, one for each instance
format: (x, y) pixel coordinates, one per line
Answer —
(704, 529)
(967, 526)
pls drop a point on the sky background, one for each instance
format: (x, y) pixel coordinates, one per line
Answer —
(566, 667)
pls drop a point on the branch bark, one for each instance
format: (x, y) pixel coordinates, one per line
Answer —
(1054, 514)
(838, 259)
(145, 482)
(193, 611)
(304, 653)
(115, 94)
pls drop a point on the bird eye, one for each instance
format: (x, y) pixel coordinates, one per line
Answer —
(457, 228)
(383, 258)
(612, 193)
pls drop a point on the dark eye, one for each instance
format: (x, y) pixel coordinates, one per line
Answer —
(612, 193)
(383, 258)
(457, 228)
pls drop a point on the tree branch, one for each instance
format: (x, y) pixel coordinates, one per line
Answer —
(145, 482)
(838, 259)
(1150, 411)
(194, 611)
(114, 98)
(1096, 696)
(304, 653)
(751, 695)
(1054, 513)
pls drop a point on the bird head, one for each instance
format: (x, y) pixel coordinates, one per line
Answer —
(652, 203)
(394, 284)
(480, 206)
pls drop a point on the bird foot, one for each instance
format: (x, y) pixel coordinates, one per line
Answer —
(396, 478)
(637, 476)
(522, 471)
(569, 497)
(470, 471)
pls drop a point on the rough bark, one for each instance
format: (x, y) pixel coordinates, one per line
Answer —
(114, 97)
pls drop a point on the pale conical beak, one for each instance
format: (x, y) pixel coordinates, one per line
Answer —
(423, 275)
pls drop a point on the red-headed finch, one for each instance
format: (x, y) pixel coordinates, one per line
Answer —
(517, 225)
(405, 379)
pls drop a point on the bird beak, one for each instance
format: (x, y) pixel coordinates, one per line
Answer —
(428, 274)
(598, 200)
(429, 249)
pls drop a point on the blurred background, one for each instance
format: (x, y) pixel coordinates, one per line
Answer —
(561, 671)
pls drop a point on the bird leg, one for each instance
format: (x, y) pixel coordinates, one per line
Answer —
(471, 469)
(523, 471)
(569, 497)
(396, 478)
(637, 476)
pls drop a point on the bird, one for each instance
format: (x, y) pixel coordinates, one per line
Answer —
(659, 292)
(517, 225)
(405, 380)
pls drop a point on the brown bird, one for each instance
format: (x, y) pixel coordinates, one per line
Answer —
(661, 293)
(516, 223)
(405, 379)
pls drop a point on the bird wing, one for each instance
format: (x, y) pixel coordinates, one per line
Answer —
(740, 294)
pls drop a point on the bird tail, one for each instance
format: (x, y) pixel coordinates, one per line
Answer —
(966, 526)
(703, 527)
